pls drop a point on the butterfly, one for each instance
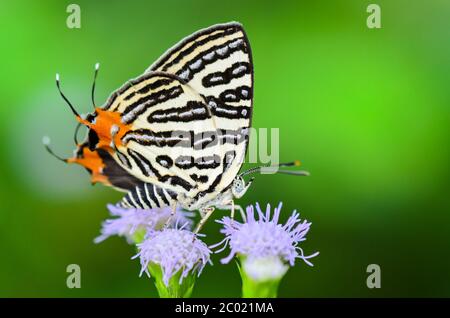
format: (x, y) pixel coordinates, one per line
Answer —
(177, 134)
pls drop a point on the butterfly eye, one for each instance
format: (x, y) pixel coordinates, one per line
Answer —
(238, 185)
(91, 118)
(92, 139)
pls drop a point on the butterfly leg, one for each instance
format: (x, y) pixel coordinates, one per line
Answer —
(205, 214)
(234, 207)
(172, 215)
(241, 211)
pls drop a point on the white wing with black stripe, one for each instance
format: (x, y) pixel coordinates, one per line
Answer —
(190, 114)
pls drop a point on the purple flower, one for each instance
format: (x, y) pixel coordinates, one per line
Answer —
(262, 238)
(129, 221)
(173, 250)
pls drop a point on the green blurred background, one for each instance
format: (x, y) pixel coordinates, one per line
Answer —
(366, 110)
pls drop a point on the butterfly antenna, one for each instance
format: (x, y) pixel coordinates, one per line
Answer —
(64, 97)
(97, 66)
(295, 163)
(46, 142)
(294, 173)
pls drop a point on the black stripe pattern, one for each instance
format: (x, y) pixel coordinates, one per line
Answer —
(148, 196)
(236, 70)
(194, 43)
(195, 110)
(207, 162)
(187, 139)
(141, 105)
(215, 53)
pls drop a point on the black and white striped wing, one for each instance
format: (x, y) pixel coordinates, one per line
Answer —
(217, 63)
(190, 114)
(156, 149)
(148, 196)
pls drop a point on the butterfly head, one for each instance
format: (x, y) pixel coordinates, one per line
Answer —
(105, 127)
(105, 130)
(239, 187)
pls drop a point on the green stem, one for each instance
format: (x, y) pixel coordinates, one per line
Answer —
(174, 289)
(258, 289)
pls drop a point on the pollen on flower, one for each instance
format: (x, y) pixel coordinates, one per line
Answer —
(262, 237)
(174, 250)
(127, 222)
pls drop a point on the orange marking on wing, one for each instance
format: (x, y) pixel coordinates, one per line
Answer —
(94, 163)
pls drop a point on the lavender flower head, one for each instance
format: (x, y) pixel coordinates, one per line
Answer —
(128, 221)
(266, 245)
(174, 250)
